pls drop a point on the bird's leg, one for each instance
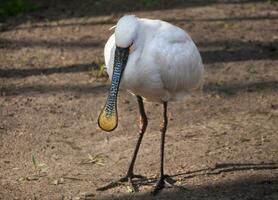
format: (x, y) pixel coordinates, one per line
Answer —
(130, 175)
(163, 180)
(143, 126)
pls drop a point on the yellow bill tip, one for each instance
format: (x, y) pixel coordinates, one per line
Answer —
(107, 122)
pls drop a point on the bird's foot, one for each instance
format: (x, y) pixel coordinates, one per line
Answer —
(127, 178)
(164, 181)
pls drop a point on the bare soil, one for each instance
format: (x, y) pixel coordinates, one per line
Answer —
(222, 144)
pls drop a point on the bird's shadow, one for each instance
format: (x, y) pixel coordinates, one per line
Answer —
(227, 167)
(209, 171)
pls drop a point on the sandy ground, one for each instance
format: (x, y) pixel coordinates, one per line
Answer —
(220, 145)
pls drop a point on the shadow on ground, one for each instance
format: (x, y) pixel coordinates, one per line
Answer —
(255, 188)
(44, 88)
(48, 9)
(20, 73)
(230, 89)
(111, 21)
(227, 89)
(229, 51)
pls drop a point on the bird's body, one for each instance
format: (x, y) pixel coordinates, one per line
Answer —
(153, 60)
(165, 64)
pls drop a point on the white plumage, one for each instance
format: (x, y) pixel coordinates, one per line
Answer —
(164, 64)
(153, 60)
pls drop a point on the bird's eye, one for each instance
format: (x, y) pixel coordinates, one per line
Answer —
(130, 47)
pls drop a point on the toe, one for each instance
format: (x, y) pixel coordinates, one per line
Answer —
(159, 186)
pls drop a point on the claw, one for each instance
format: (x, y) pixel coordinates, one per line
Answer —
(127, 178)
(138, 176)
(110, 185)
(165, 181)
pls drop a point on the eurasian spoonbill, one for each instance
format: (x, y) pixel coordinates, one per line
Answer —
(155, 61)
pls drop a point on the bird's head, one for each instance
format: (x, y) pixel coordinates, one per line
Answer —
(126, 31)
(125, 34)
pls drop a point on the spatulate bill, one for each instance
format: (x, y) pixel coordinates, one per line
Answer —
(108, 118)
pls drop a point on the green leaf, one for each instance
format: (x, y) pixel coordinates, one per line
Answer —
(34, 161)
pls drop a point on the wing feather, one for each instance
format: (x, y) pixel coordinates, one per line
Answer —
(180, 62)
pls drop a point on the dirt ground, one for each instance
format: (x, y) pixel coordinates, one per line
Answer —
(219, 145)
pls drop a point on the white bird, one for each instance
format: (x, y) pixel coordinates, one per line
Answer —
(155, 61)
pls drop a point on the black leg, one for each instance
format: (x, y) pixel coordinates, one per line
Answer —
(162, 181)
(143, 125)
(163, 132)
